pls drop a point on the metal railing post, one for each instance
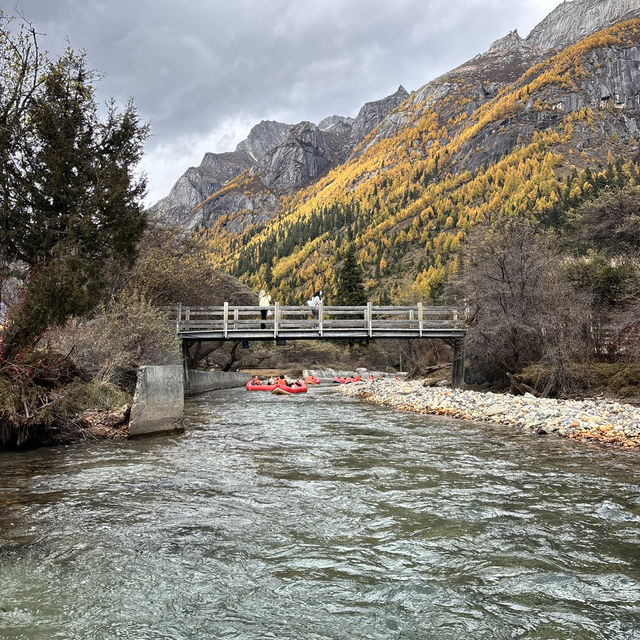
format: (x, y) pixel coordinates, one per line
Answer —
(369, 319)
(320, 312)
(178, 317)
(225, 319)
(235, 319)
(420, 318)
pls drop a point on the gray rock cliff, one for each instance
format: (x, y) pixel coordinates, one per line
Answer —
(509, 57)
(265, 136)
(572, 21)
(610, 86)
(301, 157)
(278, 158)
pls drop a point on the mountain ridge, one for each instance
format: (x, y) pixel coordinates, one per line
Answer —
(498, 135)
(282, 156)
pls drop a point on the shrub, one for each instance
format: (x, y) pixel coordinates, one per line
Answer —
(96, 395)
(128, 332)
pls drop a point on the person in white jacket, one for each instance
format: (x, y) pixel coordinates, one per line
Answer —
(264, 300)
(315, 303)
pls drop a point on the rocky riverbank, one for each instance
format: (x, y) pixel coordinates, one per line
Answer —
(610, 423)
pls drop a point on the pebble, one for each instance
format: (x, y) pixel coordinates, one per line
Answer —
(611, 423)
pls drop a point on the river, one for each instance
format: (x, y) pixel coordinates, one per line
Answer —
(316, 517)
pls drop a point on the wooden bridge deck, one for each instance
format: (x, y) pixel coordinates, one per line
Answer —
(331, 322)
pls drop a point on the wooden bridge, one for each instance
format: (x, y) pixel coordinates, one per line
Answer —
(280, 323)
(316, 323)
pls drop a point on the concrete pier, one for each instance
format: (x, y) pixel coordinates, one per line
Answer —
(158, 402)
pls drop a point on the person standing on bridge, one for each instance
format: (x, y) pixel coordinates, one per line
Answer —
(315, 303)
(264, 300)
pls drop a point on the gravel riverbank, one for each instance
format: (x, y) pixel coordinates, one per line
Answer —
(611, 423)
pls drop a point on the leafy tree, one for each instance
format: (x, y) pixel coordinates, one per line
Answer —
(70, 202)
(350, 290)
(520, 311)
(172, 267)
(605, 233)
(609, 223)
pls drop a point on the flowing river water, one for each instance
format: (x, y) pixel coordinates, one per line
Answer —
(317, 517)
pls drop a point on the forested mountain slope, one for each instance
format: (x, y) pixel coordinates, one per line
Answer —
(519, 130)
(408, 200)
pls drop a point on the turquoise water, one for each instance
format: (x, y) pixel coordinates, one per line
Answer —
(320, 517)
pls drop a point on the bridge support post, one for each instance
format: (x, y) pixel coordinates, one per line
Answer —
(185, 364)
(178, 318)
(457, 370)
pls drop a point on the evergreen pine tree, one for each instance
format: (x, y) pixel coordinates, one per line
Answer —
(350, 290)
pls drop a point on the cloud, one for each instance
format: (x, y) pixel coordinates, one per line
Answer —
(204, 72)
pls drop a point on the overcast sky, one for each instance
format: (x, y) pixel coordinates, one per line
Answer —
(203, 72)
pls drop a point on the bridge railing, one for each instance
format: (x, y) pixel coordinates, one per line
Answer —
(229, 320)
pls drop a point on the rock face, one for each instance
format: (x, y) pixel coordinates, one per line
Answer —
(372, 113)
(611, 81)
(277, 159)
(263, 137)
(301, 157)
(509, 57)
(570, 22)
(197, 184)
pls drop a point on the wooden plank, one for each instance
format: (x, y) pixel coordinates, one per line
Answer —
(345, 324)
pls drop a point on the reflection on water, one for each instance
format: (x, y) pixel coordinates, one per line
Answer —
(319, 517)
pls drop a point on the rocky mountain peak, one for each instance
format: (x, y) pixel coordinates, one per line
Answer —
(572, 21)
(336, 124)
(265, 136)
(300, 158)
(372, 113)
(511, 42)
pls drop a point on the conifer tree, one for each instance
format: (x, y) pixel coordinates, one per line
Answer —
(70, 203)
(350, 290)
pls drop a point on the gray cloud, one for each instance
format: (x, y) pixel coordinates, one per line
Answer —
(205, 71)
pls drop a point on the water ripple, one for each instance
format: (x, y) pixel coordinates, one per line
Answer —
(318, 517)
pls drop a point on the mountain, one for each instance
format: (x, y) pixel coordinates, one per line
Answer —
(570, 22)
(275, 159)
(529, 127)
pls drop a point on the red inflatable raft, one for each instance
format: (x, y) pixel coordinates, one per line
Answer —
(282, 389)
(255, 385)
(312, 380)
(343, 380)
